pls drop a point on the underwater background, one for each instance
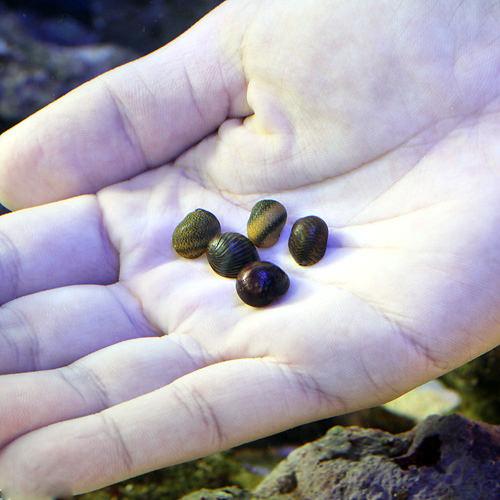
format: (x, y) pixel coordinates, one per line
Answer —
(49, 47)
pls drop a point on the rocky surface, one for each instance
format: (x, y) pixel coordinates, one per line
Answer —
(478, 384)
(446, 457)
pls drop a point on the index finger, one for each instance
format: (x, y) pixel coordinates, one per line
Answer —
(205, 411)
(135, 117)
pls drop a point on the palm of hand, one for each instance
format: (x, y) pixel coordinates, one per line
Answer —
(408, 189)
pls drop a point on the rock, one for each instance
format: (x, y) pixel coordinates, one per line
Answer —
(34, 72)
(223, 494)
(477, 383)
(442, 458)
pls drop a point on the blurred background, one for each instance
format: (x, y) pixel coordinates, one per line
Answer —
(49, 47)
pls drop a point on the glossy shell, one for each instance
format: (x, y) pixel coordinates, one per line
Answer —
(308, 240)
(260, 283)
(191, 237)
(229, 253)
(266, 223)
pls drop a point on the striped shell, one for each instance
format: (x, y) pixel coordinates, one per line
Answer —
(266, 223)
(308, 240)
(229, 253)
(191, 237)
(260, 283)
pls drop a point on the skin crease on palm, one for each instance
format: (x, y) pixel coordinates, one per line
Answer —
(382, 117)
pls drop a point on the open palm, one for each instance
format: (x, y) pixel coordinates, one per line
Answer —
(384, 122)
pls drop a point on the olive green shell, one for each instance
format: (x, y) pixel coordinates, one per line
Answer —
(266, 223)
(191, 237)
(308, 240)
(229, 253)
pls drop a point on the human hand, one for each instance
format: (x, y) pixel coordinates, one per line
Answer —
(384, 121)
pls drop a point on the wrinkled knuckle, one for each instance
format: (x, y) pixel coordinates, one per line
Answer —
(201, 411)
(417, 347)
(10, 268)
(122, 455)
(19, 335)
(310, 390)
(87, 384)
(124, 119)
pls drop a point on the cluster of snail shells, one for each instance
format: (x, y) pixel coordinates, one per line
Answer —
(233, 255)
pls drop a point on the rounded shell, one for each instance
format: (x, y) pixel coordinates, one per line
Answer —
(191, 237)
(308, 240)
(260, 283)
(229, 253)
(266, 223)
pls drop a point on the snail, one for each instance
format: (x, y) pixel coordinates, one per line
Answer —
(260, 283)
(191, 237)
(228, 253)
(266, 223)
(308, 240)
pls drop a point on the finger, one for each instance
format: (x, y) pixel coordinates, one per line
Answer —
(208, 410)
(52, 246)
(103, 379)
(137, 116)
(54, 328)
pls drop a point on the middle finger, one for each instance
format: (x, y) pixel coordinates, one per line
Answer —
(53, 328)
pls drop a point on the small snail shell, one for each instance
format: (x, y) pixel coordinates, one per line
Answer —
(228, 253)
(191, 237)
(266, 223)
(308, 240)
(260, 283)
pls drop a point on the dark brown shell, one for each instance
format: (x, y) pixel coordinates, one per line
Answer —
(261, 283)
(229, 253)
(308, 240)
(191, 237)
(266, 223)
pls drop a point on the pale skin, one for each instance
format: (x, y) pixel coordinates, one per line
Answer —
(119, 357)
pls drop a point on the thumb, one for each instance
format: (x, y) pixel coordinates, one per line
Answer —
(138, 116)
